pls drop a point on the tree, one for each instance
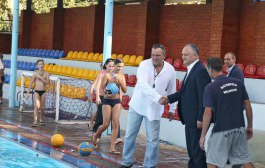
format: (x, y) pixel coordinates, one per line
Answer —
(5, 16)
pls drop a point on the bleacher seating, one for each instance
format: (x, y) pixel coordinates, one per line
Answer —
(177, 64)
(125, 101)
(54, 54)
(169, 60)
(260, 74)
(131, 80)
(250, 71)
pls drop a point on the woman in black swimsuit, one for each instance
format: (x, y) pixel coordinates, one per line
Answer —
(113, 84)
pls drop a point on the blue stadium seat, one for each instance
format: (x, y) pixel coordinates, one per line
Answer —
(56, 54)
(31, 66)
(7, 78)
(24, 65)
(35, 52)
(27, 66)
(43, 52)
(47, 54)
(34, 66)
(61, 54)
(20, 64)
(51, 55)
(39, 53)
(8, 63)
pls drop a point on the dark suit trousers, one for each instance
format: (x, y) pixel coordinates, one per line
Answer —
(197, 156)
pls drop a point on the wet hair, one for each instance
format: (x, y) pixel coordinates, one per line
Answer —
(194, 48)
(106, 63)
(40, 60)
(1, 55)
(118, 61)
(215, 63)
(155, 46)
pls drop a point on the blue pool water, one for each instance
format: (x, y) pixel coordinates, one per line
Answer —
(13, 155)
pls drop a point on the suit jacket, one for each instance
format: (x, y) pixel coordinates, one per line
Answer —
(190, 97)
(237, 73)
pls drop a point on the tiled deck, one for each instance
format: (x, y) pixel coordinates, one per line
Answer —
(20, 123)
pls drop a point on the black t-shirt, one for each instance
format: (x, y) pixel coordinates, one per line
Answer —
(226, 97)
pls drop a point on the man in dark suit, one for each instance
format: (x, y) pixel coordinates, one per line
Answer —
(190, 105)
(233, 70)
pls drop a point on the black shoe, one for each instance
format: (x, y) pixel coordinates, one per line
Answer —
(122, 166)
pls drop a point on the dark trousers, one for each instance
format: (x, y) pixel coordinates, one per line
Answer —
(197, 156)
(99, 119)
(1, 85)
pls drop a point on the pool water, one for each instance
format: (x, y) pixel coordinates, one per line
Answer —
(13, 155)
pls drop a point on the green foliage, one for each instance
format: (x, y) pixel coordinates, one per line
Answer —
(5, 16)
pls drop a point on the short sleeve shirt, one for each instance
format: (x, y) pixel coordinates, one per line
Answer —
(226, 97)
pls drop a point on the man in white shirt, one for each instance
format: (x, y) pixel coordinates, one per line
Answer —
(155, 78)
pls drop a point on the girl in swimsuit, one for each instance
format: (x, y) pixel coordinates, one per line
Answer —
(41, 80)
(107, 68)
(112, 103)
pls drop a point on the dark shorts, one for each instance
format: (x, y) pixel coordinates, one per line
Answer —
(111, 102)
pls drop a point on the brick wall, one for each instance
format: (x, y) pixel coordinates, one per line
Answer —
(222, 26)
(79, 29)
(251, 47)
(5, 43)
(42, 31)
(230, 30)
(129, 28)
(184, 24)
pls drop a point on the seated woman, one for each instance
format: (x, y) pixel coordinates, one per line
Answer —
(41, 80)
(112, 84)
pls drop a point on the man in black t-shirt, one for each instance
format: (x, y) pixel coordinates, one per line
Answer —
(224, 99)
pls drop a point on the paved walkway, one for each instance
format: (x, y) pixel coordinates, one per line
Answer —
(20, 123)
(74, 134)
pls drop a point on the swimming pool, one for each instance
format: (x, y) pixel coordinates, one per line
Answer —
(13, 155)
(17, 151)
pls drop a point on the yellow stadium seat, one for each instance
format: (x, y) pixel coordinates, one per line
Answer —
(90, 56)
(100, 58)
(79, 55)
(64, 71)
(119, 56)
(69, 55)
(92, 74)
(69, 71)
(114, 56)
(50, 68)
(131, 60)
(74, 56)
(74, 73)
(59, 70)
(54, 69)
(126, 59)
(138, 60)
(95, 57)
(86, 74)
(84, 56)
(80, 73)
(46, 67)
(18, 83)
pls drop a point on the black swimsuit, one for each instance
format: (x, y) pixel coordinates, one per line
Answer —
(40, 92)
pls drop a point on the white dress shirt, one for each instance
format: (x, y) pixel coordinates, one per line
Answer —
(230, 69)
(145, 98)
